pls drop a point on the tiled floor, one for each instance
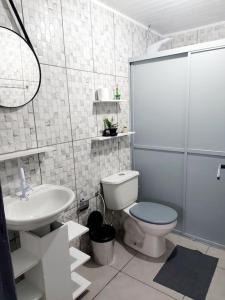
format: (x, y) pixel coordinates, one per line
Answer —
(130, 276)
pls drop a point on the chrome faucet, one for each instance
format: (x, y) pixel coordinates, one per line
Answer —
(221, 166)
(25, 187)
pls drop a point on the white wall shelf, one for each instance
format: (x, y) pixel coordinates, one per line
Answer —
(104, 138)
(79, 284)
(77, 258)
(75, 230)
(111, 101)
(23, 153)
(27, 291)
(23, 261)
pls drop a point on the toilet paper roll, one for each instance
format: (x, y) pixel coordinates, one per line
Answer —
(103, 94)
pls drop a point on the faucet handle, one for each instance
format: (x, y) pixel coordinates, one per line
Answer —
(221, 166)
(22, 174)
(218, 172)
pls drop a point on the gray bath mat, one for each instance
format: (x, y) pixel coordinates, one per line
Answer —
(188, 272)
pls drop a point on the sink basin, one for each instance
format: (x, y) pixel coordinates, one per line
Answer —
(44, 205)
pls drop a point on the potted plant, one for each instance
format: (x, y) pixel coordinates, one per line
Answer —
(110, 127)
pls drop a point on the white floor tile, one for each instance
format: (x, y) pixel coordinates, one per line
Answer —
(145, 269)
(99, 277)
(177, 239)
(122, 255)
(123, 287)
(219, 253)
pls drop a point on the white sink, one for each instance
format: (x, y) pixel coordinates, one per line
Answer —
(44, 205)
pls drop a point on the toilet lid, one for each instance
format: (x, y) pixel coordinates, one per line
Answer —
(153, 213)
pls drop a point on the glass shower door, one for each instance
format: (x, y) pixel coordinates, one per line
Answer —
(205, 199)
(159, 97)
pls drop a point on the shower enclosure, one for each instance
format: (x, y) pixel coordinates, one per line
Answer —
(178, 114)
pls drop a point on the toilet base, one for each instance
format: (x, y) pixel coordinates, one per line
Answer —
(146, 238)
(153, 246)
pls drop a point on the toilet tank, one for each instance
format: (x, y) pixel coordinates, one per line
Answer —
(120, 190)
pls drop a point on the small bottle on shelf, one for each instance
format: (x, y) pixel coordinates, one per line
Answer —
(117, 93)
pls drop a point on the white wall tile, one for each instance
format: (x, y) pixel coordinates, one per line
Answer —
(43, 22)
(51, 107)
(124, 153)
(82, 109)
(87, 168)
(139, 43)
(220, 30)
(181, 40)
(57, 167)
(205, 34)
(109, 157)
(17, 129)
(89, 34)
(9, 173)
(123, 44)
(77, 34)
(103, 39)
(211, 33)
(123, 107)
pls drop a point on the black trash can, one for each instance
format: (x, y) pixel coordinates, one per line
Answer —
(102, 238)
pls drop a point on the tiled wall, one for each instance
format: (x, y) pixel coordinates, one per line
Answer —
(201, 35)
(81, 46)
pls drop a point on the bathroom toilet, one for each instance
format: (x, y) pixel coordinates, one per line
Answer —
(147, 223)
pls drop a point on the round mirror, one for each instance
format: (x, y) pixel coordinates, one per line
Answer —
(20, 72)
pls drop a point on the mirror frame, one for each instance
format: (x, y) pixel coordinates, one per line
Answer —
(39, 67)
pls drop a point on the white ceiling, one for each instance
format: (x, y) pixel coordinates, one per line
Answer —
(168, 16)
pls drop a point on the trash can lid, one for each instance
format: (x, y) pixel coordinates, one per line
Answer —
(95, 220)
(103, 234)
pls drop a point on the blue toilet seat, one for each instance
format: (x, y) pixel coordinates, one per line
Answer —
(153, 213)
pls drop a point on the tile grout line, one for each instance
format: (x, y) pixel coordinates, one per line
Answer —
(221, 268)
(82, 70)
(106, 284)
(92, 36)
(146, 284)
(32, 104)
(123, 272)
(206, 252)
(69, 107)
(55, 144)
(120, 270)
(95, 109)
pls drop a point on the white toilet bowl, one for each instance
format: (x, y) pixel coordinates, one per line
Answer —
(147, 223)
(147, 238)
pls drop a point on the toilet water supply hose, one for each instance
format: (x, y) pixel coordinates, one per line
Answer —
(99, 196)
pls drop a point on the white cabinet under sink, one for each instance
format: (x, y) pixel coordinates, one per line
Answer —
(49, 263)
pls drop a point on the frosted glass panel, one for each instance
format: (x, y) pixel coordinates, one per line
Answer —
(207, 100)
(205, 205)
(159, 91)
(161, 178)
